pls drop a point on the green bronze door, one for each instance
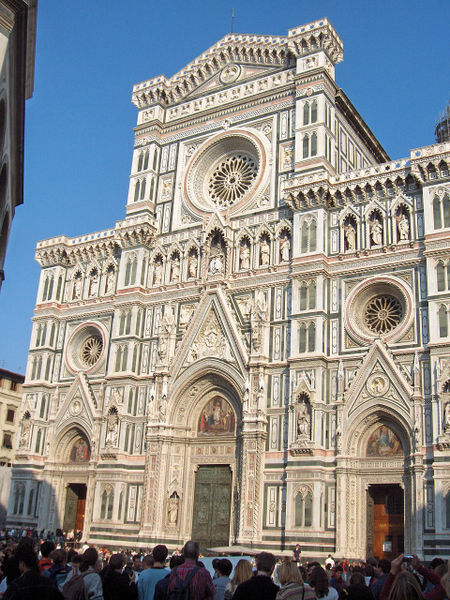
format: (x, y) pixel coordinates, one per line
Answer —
(212, 502)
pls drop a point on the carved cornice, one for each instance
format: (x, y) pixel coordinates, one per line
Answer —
(312, 37)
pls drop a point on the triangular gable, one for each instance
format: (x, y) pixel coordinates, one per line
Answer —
(211, 333)
(79, 404)
(378, 377)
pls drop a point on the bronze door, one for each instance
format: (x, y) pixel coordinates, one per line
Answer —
(388, 520)
(212, 503)
(75, 506)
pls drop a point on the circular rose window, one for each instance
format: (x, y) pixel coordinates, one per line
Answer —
(226, 171)
(91, 350)
(379, 308)
(231, 179)
(85, 348)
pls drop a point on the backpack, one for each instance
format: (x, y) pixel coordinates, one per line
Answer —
(73, 589)
(180, 590)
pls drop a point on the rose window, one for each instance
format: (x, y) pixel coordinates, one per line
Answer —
(383, 313)
(91, 350)
(231, 179)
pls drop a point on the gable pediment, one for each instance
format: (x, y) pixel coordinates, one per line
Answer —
(378, 379)
(79, 405)
(212, 333)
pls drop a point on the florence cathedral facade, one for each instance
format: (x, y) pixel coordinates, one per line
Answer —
(258, 353)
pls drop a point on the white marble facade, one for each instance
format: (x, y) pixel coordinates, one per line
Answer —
(274, 261)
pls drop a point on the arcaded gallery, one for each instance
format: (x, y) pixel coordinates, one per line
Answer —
(258, 353)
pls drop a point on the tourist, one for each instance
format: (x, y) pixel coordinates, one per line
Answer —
(45, 562)
(30, 584)
(93, 589)
(401, 584)
(292, 585)
(149, 577)
(357, 589)
(296, 553)
(59, 570)
(117, 585)
(329, 561)
(200, 583)
(318, 580)
(261, 585)
(224, 568)
(337, 580)
(384, 566)
(242, 572)
(163, 584)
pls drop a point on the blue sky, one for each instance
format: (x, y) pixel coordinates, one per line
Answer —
(79, 122)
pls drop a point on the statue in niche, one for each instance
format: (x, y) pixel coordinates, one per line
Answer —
(162, 346)
(112, 428)
(244, 257)
(403, 227)
(168, 320)
(158, 272)
(264, 252)
(172, 510)
(216, 264)
(285, 249)
(350, 236)
(25, 433)
(376, 232)
(447, 418)
(76, 294)
(93, 282)
(109, 281)
(175, 270)
(192, 266)
(303, 420)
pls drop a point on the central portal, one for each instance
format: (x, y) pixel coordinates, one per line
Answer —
(212, 504)
(75, 507)
(385, 521)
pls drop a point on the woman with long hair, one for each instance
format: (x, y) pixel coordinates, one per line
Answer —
(242, 572)
(401, 584)
(292, 586)
(318, 580)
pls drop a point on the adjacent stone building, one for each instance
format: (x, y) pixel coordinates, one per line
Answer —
(258, 353)
(17, 50)
(10, 401)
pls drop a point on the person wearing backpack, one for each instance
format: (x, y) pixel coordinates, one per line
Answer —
(30, 585)
(163, 584)
(189, 581)
(87, 585)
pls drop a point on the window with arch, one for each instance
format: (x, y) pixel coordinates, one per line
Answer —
(443, 276)
(19, 498)
(36, 368)
(119, 510)
(309, 145)
(441, 211)
(52, 334)
(30, 502)
(48, 366)
(447, 510)
(308, 235)
(107, 503)
(130, 270)
(125, 322)
(307, 298)
(310, 112)
(37, 447)
(307, 337)
(303, 509)
(443, 322)
(59, 287)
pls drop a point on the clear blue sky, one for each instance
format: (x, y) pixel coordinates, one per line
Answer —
(80, 119)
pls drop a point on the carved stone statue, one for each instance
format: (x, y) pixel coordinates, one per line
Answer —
(76, 295)
(192, 266)
(303, 423)
(447, 418)
(93, 282)
(264, 252)
(25, 433)
(175, 272)
(244, 257)
(109, 281)
(285, 249)
(112, 429)
(216, 264)
(168, 320)
(157, 272)
(376, 232)
(172, 511)
(350, 236)
(403, 227)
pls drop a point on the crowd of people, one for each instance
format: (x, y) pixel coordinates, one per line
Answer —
(32, 569)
